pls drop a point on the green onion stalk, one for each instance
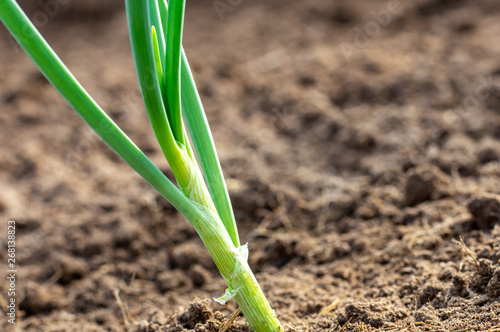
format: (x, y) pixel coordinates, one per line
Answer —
(176, 113)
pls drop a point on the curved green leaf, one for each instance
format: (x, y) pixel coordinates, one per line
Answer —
(67, 85)
(204, 146)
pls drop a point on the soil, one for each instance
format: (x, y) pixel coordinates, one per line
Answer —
(359, 139)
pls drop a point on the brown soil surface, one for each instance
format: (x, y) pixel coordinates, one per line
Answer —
(362, 160)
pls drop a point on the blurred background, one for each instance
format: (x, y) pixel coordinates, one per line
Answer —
(359, 140)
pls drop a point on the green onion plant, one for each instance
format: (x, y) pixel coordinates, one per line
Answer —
(176, 114)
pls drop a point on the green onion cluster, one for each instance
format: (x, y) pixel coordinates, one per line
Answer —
(175, 112)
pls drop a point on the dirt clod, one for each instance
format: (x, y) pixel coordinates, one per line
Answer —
(486, 211)
(493, 287)
(360, 313)
(198, 312)
(418, 188)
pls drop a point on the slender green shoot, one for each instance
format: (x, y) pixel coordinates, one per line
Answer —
(158, 62)
(157, 24)
(175, 22)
